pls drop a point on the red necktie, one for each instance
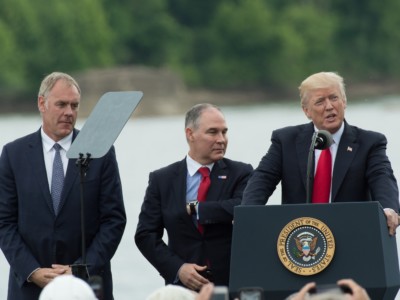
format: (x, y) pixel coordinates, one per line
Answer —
(203, 188)
(323, 178)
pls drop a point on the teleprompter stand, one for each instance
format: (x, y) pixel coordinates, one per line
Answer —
(98, 134)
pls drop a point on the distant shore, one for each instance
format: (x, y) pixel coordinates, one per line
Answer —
(166, 94)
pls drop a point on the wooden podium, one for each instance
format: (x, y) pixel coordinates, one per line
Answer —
(353, 242)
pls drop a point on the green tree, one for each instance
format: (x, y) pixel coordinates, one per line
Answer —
(23, 22)
(12, 75)
(58, 35)
(77, 34)
(232, 50)
(367, 39)
(194, 14)
(147, 33)
(250, 44)
(305, 35)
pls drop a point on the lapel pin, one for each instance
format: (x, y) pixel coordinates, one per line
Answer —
(222, 177)
(349, 149)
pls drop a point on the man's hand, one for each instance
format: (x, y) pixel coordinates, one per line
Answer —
(41, 277)
(205, 292)
(304, 292)
(392, 219)
(66, 268)
(189, 276)
(357, 291)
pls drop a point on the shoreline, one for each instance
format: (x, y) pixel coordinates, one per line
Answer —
(178, 103)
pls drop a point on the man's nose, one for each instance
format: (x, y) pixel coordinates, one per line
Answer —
(328, 104)
(68, 110)
(221, 137)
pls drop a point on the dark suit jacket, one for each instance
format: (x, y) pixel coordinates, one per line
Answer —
(164, 206)
(362, 171)
(31, 236)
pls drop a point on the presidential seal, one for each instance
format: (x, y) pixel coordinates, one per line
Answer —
(306, 246)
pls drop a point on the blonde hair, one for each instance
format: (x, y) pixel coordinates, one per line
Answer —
(318, 81)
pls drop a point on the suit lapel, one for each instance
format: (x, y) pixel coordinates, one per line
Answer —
(219, 175)
(303, 142)
(36, 159)
(346, 152)
(70, 177)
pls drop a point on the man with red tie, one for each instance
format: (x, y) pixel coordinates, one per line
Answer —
(354, 168)
(193, 200)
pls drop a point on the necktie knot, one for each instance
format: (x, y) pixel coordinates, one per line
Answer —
(204, 171)
(57, 147)
(204, 183)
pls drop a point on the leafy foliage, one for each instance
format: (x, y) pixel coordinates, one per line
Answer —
(218, 44)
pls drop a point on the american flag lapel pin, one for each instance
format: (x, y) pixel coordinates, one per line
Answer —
(222, 177)
(349, 149)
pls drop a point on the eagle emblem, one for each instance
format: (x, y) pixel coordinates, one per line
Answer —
(306, 244)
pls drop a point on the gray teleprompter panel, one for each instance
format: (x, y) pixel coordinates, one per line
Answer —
(104, 124)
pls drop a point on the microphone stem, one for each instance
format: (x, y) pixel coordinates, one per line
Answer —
(310, 169)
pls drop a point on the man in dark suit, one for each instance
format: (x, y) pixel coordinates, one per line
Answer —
(41, 238)
(360, 169)
(192, 258)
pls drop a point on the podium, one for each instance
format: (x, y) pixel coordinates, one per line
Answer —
(353, 243)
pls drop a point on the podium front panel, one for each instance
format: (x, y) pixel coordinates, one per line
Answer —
(364, 251)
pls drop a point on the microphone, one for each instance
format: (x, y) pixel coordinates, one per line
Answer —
(323, 140)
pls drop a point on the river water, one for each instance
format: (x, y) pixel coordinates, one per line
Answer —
(148, 143)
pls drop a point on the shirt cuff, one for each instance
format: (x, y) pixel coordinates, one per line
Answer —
(31, 274)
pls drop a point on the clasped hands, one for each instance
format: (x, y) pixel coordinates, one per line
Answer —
(42, 276)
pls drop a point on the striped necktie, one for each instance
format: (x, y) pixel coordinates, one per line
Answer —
(57, 179)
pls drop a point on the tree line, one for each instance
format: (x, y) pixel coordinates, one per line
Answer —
(214, 44)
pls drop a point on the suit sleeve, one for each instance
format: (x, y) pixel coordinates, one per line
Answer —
(149, 233)
(266, 176)
(112, 217)
(380, 177)
(221, 210)
(14, 248)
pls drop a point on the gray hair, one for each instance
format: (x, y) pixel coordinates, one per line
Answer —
(193, 114)
(50, 80)
(321, 80)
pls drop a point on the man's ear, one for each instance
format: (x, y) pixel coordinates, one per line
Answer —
(306, 112)
(189, 134)
(41, 104)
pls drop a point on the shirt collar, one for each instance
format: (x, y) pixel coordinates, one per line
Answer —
(48, 142)
(337, 135)
(193, 166)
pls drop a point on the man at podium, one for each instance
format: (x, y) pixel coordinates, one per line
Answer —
(354, 168)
